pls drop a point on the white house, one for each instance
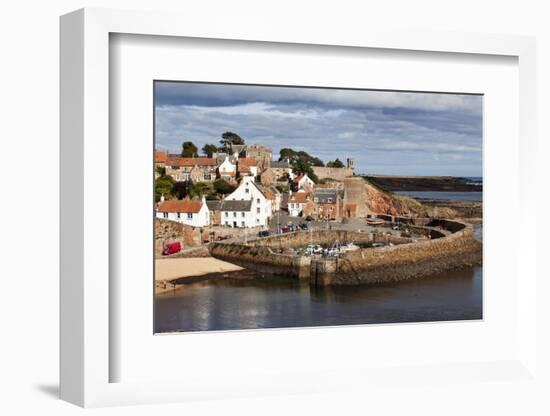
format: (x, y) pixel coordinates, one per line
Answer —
(189, 212)
(261, 208)
(227, 169)
(296, 202)
(304, 182)
(237, 214)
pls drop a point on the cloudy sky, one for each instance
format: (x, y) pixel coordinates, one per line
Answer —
(395, 133)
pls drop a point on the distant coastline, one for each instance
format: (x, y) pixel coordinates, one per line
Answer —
(427, 183)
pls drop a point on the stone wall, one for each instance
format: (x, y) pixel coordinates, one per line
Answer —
(394, 263)
(404, 260)
(325, 238)
(332, 173)
(167, 231)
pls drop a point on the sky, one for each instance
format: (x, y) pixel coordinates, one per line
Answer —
(386, 132)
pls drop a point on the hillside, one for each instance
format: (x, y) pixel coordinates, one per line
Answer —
(380, 201)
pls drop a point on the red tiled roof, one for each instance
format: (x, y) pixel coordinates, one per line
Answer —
(299, 197)
(160, 157)
(191, 161)
(183, 205)
(244, 169)
(248, 161)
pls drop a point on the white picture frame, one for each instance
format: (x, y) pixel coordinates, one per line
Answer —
(85, 266)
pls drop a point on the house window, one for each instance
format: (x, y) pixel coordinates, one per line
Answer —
(247, 190)
(257, 220)
(226, 215)
(207, 176)
(178, 215)
(190, 215)
(165, 215)
(330, 200)
(242, 223)
(258, 200)
(242, 214)
(315, 199)
(258, 210)
(234, 214)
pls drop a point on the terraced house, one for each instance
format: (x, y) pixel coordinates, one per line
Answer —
(189, 212)
(198, 169)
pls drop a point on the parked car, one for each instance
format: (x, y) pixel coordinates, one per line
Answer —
(264, 233)
(285, 230)
(304, 226)
(171, 248)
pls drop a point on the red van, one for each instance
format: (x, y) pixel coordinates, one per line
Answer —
(171, 248)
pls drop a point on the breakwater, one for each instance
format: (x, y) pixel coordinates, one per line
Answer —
(448, 245)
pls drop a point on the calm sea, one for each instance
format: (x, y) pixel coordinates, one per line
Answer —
(264, 302)
(447, 196)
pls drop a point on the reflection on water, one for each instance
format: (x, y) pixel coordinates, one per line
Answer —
(254, 301)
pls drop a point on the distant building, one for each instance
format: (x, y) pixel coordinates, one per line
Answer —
(297, 202)
(281, 169)
(274, 196)
(304, 182)
(160, 159)
(335, 173)
(180, 168)
(262, 154)
(327, 204)
(190, 212)
(247, 167)
(227, 169)
(355, 198)
(266, 177)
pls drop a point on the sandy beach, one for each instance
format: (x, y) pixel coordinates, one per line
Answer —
(170, 269)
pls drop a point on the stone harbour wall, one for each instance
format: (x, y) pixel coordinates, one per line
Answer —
(406, 259)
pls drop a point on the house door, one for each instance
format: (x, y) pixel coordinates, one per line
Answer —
(235, 224)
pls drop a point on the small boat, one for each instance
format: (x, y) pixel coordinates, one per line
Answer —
(375, 221)
(349, 247)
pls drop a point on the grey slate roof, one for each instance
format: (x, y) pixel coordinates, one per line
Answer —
(283, 164)
(228, 205)
(214, 205)
(323, 195)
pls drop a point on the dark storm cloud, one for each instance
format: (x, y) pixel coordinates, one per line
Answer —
(386, 132)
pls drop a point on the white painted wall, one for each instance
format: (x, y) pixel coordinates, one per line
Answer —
(261, 206)
(238, 219)
(227, 167)
(199, 219)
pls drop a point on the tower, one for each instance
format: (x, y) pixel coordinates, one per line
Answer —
(350, 163)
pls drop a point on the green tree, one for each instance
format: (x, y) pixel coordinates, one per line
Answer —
(222, 187)
(209, 149)
(161, 170)
(302, 167)
(336, 164)
(182, 189)
(163, 186)
(229, 138)
(199, 189)
(293, 155)
(188, 149)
